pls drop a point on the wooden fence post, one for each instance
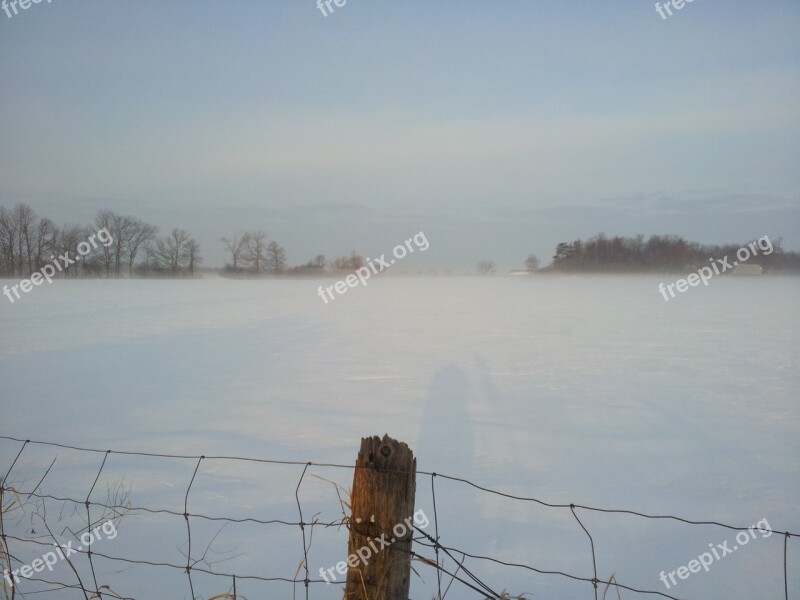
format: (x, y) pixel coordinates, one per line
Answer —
(382, 499)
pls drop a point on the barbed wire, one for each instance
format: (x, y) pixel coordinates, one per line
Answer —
(464, 574)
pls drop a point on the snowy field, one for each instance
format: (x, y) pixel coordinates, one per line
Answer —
(585, 390)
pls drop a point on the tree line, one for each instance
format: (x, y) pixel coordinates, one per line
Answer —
(660, 253)
(29, 242)
(249, 254)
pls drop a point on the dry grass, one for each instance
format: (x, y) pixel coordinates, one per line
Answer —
(612, 579)
(14, 507)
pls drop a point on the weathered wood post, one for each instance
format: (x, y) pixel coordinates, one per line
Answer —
(379, 549)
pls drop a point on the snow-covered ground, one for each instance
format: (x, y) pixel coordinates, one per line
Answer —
(586, 390)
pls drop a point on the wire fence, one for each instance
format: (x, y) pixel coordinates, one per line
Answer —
(449, 564)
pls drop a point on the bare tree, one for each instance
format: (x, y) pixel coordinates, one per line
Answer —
(237, 246)
(193, 255)
(69, 236)
(486, 267)
(106, 219)
(348, 263)
(8, 240)
(23, 219)
(531, 263)
(171, 252)
(356, 261)
(256, 249)
(122, 229)
(276, 258)
(139, 235)
(128, 233)
(44, 242)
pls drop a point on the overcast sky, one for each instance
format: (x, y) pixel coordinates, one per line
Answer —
(497, 128)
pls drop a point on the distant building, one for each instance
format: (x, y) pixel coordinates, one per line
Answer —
(748, 269)
(519, 273)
